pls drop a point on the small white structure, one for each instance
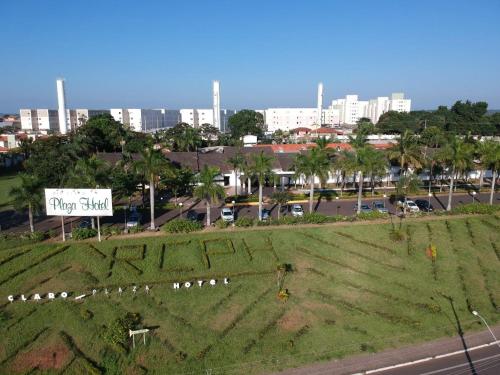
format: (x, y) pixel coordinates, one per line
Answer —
(319, 113)
(216, 105)
(132, 334)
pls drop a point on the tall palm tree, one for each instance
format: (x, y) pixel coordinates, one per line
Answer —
(457, 155)
(89, 173)
(375, 165)
(208, 189)
(280, 198)
(489, 154)
(261, 168)
(345, 163)
(152, 164)
(406, 152)
(236, 162)
(27, 195)
(359, 144)
(313, 164)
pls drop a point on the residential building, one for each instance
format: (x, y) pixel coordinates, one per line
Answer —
(39, 120)
(197, 117)
(377, 107)
(287, 119)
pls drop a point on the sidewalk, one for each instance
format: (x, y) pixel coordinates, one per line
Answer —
(366, 362)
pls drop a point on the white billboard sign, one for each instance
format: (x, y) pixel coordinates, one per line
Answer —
(78, 202)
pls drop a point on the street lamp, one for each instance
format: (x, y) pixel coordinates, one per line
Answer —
(475, 313)
(473, 195)
(180, 209)
(122, 143)
(337, 199)
(429, 195)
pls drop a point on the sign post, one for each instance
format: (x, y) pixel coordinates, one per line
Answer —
(63, 229)
(138, 332)
(79, 202)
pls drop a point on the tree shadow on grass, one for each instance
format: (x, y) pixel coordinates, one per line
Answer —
(461, 333)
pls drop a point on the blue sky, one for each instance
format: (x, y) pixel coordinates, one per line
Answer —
(265, 53)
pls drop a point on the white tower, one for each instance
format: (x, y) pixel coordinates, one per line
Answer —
(216, 107)
(320, 104)
(61, 101)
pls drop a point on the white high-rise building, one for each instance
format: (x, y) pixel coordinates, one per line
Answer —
(290, 118)
(42, 120)
(197, 117)
(377, 107)
(350, 108)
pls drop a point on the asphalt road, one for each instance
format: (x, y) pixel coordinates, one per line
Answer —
(13, 222)
(485, 361)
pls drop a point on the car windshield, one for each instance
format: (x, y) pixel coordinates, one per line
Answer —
(297, 208)
(226, 212)
(379, 205)
(365, 207)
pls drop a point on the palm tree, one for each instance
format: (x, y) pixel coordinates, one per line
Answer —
(359, 144)
(457, 155)
(236, 162)
(261, 168)
(345, 162)
(27, 195)
(313, 164)
(208, 189)
(407, 184)
(375, 165)
(489, 153)
(280, 198)
(406, 152)
(89, 173)
(152, 164)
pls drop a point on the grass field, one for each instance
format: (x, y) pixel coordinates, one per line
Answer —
(7, 182)
(352, 290)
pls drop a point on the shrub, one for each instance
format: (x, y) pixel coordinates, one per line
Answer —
(372, 215)
(396, 235)
(83, 233)
(182, 226)
(117, 332)
(314, 218)
(86, 314)
(136, 229)
(264, 223)
(110, 230)
(476, 208)
(221, 224)
(37, 236)
(244, 222)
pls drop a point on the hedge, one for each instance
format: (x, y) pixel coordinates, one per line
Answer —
(182, 226)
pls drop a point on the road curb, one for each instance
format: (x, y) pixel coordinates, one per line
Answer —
(426, 359)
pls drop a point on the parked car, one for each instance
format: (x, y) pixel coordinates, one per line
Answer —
(409, 204)
(297, 210)
(364, 208)
(379, 206)
(266, 214)
(424, 205)
(227, 215)
(192, 215)
(86, 223)
(134, 220)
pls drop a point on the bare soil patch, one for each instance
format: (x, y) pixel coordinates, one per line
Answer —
(52, 357)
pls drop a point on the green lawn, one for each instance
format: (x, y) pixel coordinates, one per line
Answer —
(7, 182)
(352, 290)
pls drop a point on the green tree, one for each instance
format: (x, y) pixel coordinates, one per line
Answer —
(101, 133)
(236, 162)
(359, 144)
(375, 165)
(489, 154)
(457, 155)
(407, 152)
(28, 195)
(182, 137)
(208, 189)
(50, 160)
(209, 134)
(180, 181)
(152, 164)
(280, 198)
(124, 178)
(246, 122)
(261, 168)
(345, 163)
(89, 173)
(311, 165)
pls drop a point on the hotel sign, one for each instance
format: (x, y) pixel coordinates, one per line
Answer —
(78, 202)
